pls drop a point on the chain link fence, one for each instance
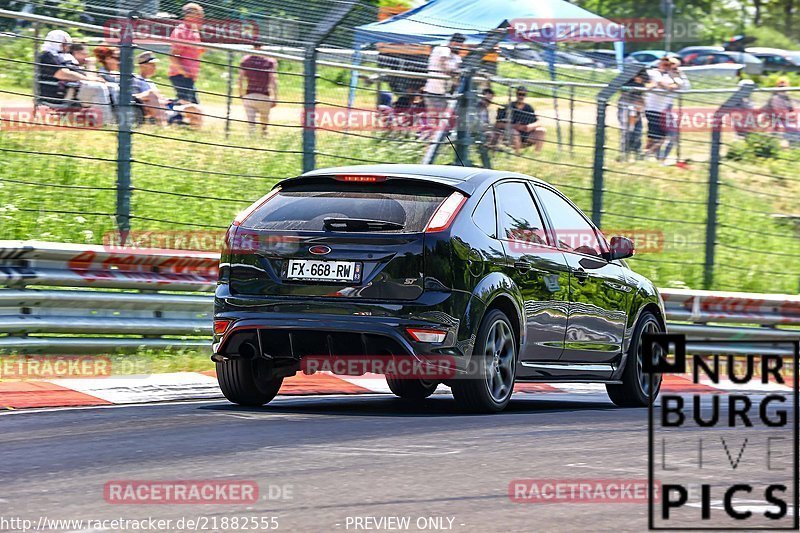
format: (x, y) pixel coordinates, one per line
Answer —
(713, 207)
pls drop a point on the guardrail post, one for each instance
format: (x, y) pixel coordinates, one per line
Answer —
(320, 33)
(628, 72)
(736, 100)
(125, 117)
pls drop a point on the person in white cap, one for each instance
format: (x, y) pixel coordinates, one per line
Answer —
(54, 72)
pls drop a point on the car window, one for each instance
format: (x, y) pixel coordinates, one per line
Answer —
(485, 214)
(518, 216)
(572, 230)
(306, 205)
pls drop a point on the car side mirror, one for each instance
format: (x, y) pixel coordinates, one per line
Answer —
(621, 248)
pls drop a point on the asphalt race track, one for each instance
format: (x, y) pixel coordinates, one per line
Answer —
(332, 460)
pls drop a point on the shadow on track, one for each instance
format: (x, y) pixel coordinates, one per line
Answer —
(389, 406)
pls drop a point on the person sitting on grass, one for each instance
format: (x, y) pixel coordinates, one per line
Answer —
(524, 130)
(55, 73)
(160, 110)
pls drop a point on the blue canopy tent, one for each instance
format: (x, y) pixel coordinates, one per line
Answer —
(542, 21)
(438, 20)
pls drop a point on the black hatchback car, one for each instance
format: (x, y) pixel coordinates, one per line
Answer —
(492, 277)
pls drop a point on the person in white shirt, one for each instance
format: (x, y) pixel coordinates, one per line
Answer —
(657, 103)
(672, 121)
(443, 60)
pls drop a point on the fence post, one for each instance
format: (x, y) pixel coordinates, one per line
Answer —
(35, 65)
(464, 115)
(628, 72)
(125, 117)
(230, 95)
(736, 100)
(319, 34)
(571, 120)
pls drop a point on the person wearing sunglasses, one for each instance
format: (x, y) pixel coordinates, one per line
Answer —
(524, 129)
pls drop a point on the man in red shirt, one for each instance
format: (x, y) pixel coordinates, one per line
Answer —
(183, 62)
(258, 88)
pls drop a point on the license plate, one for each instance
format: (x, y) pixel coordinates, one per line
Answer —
(311, 270)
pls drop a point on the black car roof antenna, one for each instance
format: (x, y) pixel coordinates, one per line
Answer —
(454, 149)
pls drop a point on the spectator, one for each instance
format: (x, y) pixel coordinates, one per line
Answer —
(673, 126)
(258, 88)
(161, 110)
(55, 72)
(184, 64)
(108, 61)
(78, 56)
(444, 59)
(524, 130)
(144, 91)
(629, 113)
(780, 103)
(484, 121)
(108, 70)
(780, 108)
(656, 104)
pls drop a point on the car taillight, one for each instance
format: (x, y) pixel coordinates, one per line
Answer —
(361, 179)
(241, 217)
(446, 213)
(228, 242)
(221, 326)
(427, 335)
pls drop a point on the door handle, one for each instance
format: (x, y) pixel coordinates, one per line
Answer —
(580, 273)
(522, 266)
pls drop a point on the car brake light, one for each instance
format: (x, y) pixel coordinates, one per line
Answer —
(427, 335)
(241, 217)
(361, 179)
(446, 213)
(221, 326)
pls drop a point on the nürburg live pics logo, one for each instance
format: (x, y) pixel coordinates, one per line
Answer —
(725, 454)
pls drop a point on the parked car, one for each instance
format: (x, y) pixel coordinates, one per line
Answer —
(604, 58)
(497, 271)
(526, 53)
(648, 58)
(575, 58)
(715, 55)
(777, 60)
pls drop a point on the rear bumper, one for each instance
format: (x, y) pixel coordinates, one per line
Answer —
(290, 329)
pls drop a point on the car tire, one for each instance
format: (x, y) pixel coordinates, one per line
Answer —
(247, 381)
(411, 389)
(634, 389)
(489, 386)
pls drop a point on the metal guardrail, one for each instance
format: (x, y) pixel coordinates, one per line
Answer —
(65, 298)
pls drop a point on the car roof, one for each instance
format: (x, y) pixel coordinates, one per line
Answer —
(710, 48)
(465, 179)
(765, 50)
(653, 52)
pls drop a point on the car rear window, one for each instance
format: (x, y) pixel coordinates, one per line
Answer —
(304, 206)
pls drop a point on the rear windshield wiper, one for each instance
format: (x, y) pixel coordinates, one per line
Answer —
(359, 224)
